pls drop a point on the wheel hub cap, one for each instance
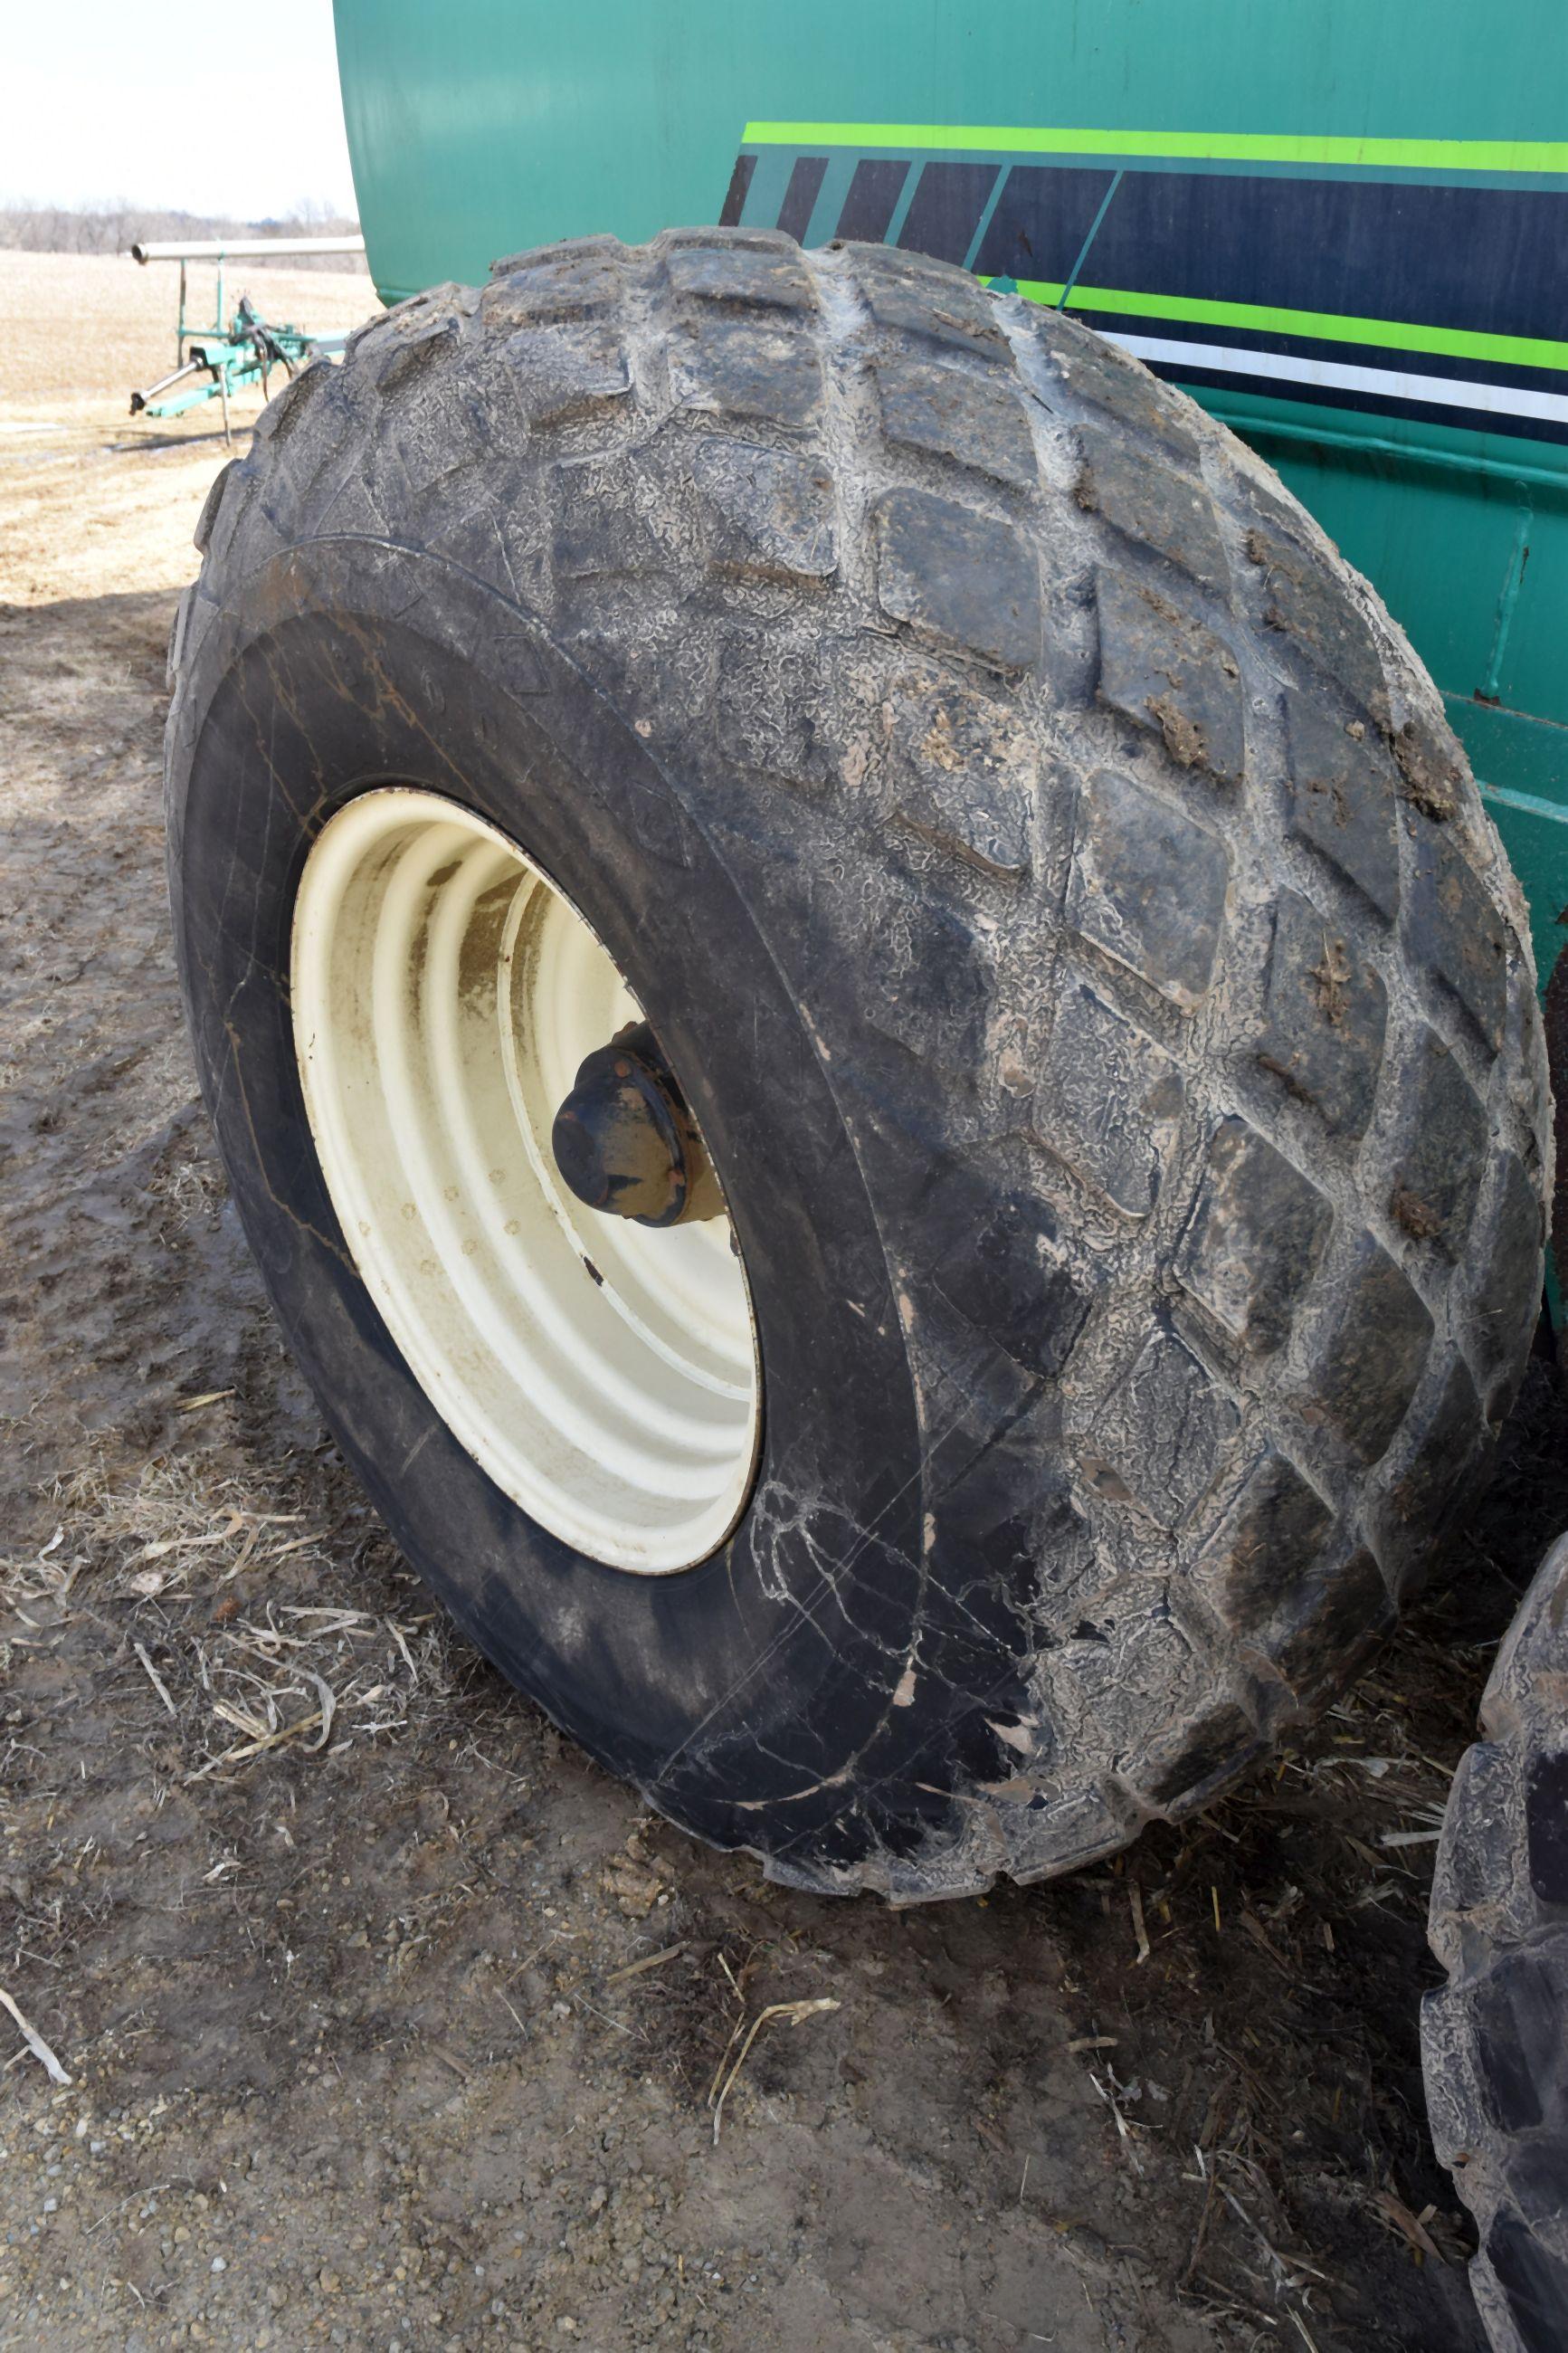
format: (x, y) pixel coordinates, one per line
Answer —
(450, 1007)
(625, 1142)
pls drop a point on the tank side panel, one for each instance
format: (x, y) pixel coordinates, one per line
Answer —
(480, 126)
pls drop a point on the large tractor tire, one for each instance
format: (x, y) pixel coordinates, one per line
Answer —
(1495, 2038)
(851, 770)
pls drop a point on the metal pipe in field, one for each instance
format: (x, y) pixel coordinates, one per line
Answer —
(246, 249)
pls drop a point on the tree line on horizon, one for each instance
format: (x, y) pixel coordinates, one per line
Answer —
(116, 227)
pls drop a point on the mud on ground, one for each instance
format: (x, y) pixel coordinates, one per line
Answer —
(391, 2022)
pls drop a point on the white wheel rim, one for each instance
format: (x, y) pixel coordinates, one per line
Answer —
(604, 1374)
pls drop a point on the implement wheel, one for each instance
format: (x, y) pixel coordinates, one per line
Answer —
(870, 1033)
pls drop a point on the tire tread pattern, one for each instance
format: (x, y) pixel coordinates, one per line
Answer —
(981, 631)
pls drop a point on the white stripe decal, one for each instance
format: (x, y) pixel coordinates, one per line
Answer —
(1341, 375)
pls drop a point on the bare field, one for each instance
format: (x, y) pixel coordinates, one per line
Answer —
(93, 500)
(389, 2021)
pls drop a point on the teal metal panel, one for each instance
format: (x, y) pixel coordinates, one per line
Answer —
(479, 126)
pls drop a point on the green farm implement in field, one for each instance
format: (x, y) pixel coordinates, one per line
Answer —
(216, 361)
(866, 1010)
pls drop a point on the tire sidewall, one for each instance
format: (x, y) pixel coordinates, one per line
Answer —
(754, 1680)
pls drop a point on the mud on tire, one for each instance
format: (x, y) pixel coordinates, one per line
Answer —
(1116, 1028)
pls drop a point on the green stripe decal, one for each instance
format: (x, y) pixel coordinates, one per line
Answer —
(1550, 155)
(1330, 326)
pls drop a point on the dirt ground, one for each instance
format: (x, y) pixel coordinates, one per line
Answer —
(389, 2021)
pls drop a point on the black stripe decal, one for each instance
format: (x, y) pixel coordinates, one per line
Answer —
(800, 197)
(1366, 249)
(874, 192)
(740, 187)
(946, 210)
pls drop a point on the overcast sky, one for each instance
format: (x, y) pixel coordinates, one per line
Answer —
(229, 109)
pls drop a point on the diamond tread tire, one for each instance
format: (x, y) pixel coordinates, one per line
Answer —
(1104, 995)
